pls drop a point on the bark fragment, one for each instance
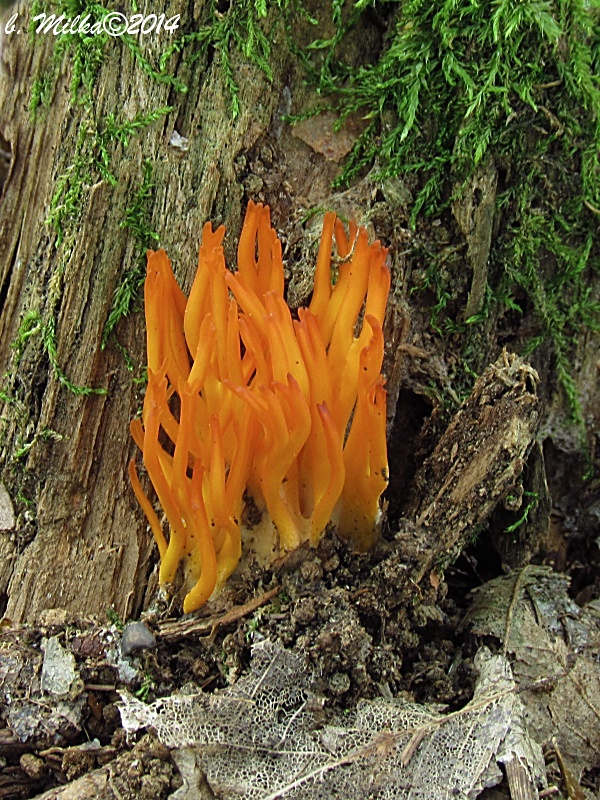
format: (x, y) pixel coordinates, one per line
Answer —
(477, 461)
(474, 213)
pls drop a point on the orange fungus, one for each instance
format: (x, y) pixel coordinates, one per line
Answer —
(246, 400)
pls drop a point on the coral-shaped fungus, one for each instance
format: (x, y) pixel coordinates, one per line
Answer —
(245, 401)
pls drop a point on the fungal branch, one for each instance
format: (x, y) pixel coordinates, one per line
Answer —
(245, 401)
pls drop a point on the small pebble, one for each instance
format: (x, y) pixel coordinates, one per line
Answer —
(137, 636)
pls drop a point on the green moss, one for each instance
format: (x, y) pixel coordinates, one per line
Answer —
(148, 686)
(533, 499)
(115, 619)
(35, 324)
(31, 325)
(129, 289)
(461, 82)
(241, 28)
(84, 51)
(92, 161)
(244, 28)
(44, 434)
(96, 144)
(455, 78)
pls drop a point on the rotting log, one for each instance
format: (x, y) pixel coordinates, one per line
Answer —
(477, 462)
(79, 542)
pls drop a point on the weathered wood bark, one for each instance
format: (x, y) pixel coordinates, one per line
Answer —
(477, 461)
(80, 542)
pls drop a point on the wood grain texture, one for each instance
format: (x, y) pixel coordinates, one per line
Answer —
(477, 461)
(83, 544)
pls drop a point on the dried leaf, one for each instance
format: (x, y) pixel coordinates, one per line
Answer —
(257, 739)
(554, 644)
(321, 135)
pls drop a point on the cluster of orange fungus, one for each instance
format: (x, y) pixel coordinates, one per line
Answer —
(246, 401)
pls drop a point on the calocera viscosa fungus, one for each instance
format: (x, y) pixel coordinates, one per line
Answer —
(252, 400)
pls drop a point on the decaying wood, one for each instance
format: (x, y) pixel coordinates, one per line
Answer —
(474, 212)
(174, 631)
(530, 504)
(521, 786)
(477, 461)
(80, 542)
(146, 770)
(397, 350)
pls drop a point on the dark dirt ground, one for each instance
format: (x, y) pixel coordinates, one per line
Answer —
(363, 634)
(383, 624)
